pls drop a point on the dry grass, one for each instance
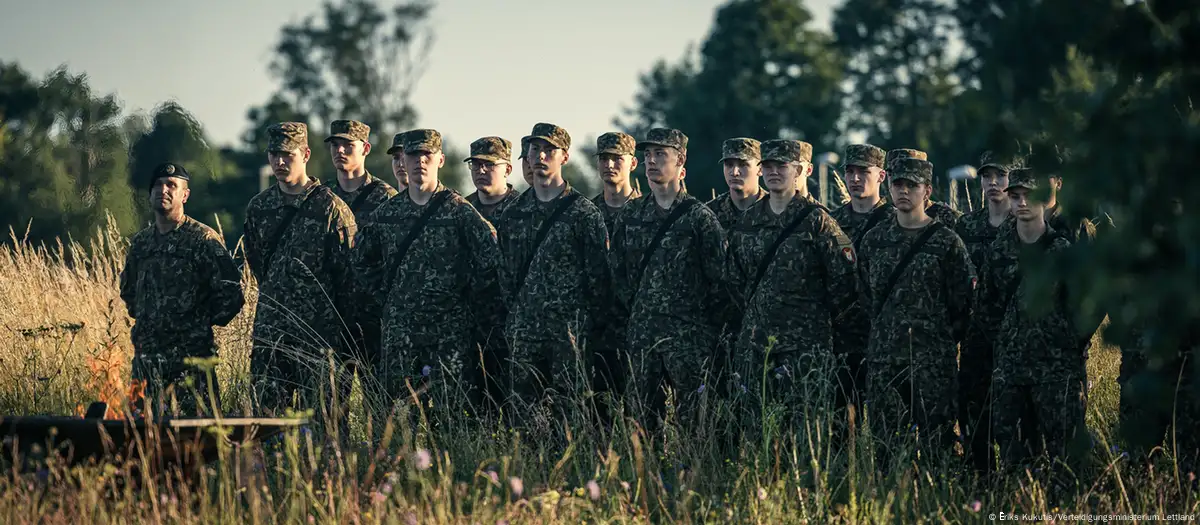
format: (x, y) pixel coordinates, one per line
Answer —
(65, 341)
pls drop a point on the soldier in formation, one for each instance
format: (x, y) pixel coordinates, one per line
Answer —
(793, 271)
(741, 162)
(615, 161)
(178, 282)
(668, 250)
(397, 153)
(298, 237)
(490, 164)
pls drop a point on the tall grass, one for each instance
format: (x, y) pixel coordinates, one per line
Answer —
(65, 341)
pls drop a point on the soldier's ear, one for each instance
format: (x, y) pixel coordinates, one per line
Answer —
(307, 153)
(566, 155)
(507, 169)
(633, 163)
(187, 192)
(366, 148)
(441, 159)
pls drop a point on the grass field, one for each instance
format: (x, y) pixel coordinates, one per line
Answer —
(65, 341)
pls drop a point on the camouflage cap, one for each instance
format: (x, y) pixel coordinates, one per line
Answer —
(552, 134)
(908, 168)
(743, 148)
(168, 169)
(1022, 178)
(903, 153)
(422, 140)
(491, 149)
(665, 137)
(287, 136)
(616, 143)
(349, 130)
(1005, 163)
(787, 150)
(397, 143)
(524, 146)
(864, 155)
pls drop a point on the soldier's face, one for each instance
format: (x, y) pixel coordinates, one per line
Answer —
(546, 159)
(779, 176)
(422, 168)
(908, 195)
(741, 175)
(1024, 206)
(168, 194)
(994, 183)
(663, 165)
(398, 170)
(348, 155)
(527, 170)
(288, 166)
(863, 182)
(488, 175)
(615, 169)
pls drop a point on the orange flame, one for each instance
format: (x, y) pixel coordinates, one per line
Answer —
(106, 377)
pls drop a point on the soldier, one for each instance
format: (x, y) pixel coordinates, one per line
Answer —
(434, 263)
(949, 216)
(491, 164)
(741, 162)
(554, 275)
(794, 271)
(178, 281)
(615, 160)
(526, 168)
(918, 283)
(669, 250)
(1039, 391)
(397, 153)
(863, 168)
(978, 229)
(298, 238)
(349, 144)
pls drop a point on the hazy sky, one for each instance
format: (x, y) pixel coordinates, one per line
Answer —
(488, 72)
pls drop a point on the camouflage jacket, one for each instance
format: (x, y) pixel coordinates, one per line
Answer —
(610, 213)
(448, 278)
(377, 192)
(727, 213)
(682, 289)
(1031, 345)
(854, 224)
(177, 285)
(943, 212)
(567, 283)
(926, 313)
(491, 212)
(305, 287)
(806, 289)
(977, 233)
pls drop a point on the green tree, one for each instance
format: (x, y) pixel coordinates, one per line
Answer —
(761, 72)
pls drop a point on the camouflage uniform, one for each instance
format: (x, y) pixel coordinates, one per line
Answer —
(492, 149)
(852, 338)
(947, 215)
(802, 297)
(673, 329)
(746, 149)
(441, 298)
(304, 285)
(1040, 373)
(976, 360)
(616, 143)
(911, 354)
(558, 306)
(373, 191)
(177, 285)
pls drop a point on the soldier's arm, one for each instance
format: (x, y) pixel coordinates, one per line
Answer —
(128, 282)
(225, 283)
(623, 288)
(865, 295)
(340, 246)
(841, 267)
(599, 275)
(251, 247)
(487, 300)
(713, 252)
(960, 286)
(369, 264)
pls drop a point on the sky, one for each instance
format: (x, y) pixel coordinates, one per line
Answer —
(489, 73)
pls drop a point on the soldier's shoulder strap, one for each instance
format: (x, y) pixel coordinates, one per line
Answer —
(363, 195)
(542, 233)
(913, 250)
(434, 204)
(289, 215)
(658, 237)
(769, 256)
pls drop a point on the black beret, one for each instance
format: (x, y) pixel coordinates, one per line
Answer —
(169, 169)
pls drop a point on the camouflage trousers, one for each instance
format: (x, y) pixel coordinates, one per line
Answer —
(166, 378)
(1029, 419)
(547, 383)
(285, 378)
(786, 390)
(675, 370)
(975, 402)
(903, 402)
